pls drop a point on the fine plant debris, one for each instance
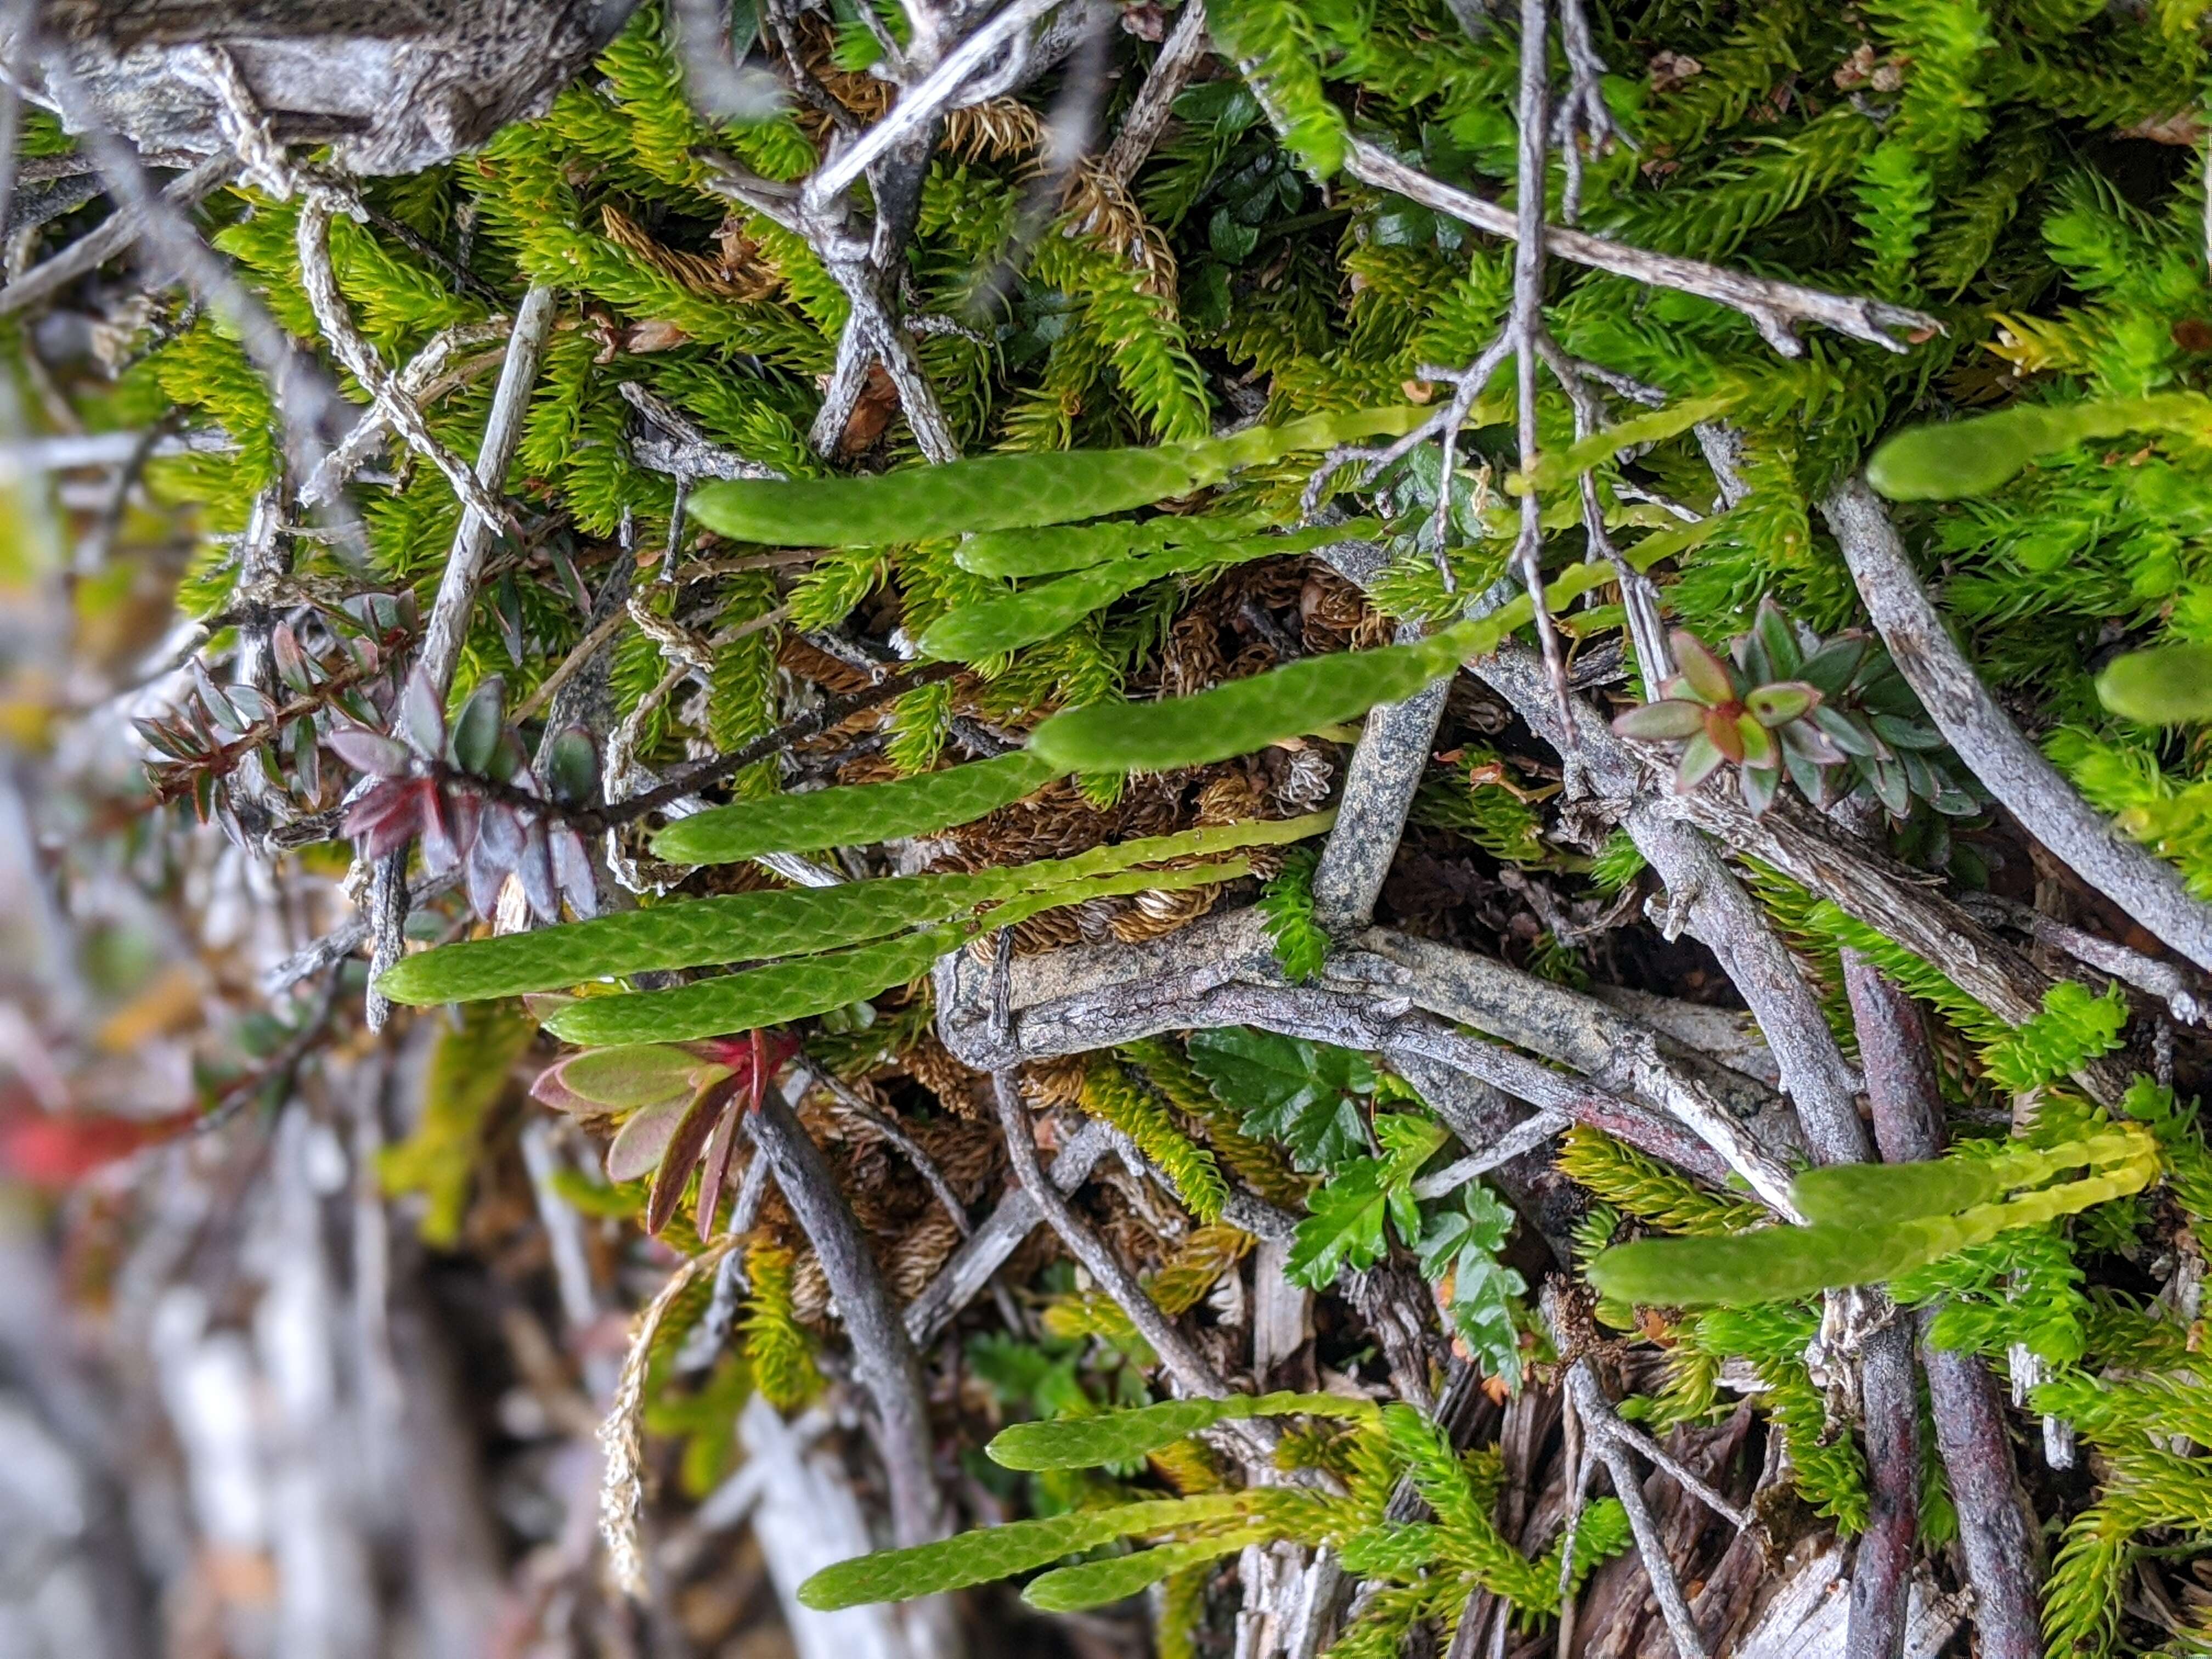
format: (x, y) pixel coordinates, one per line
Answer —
(1244, 829)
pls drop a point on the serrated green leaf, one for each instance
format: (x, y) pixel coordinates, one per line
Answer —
(760, 927)
(1122, 1437)
(2169, 686)
(805, 986)
(1102, 1584)
(1288, 1090)
(1961, 458)
(1345, 1228)
(977, 1558)
(854, 815)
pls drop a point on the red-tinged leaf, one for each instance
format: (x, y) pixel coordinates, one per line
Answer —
(1708, 678)
(1781, 703)
(306, 758)
(162, 740)
(370, 752)
(441, 848)
(535, 867)
(1720, 730)
(217, 705)
(294, 667)
(487, 871)
(1699, 759)
(685, 1144)
(549, 1090)
(642, 1140)
(716, 1169)
(422, 716)
(56, 1151)
(632, 1074)
(1670, 720)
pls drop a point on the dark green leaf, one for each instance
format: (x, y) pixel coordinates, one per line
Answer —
(1288, 1090)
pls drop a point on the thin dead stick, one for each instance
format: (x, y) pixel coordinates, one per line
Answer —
(415, 382)
(882, 1357)
(2143, 885)
(334, 317)
(1606, 1438)
(1523, 1136)
(1193, 1372)
(1526, 324)
(446, 629)
(112, 236)
(1778, 308)
(920, 105)
(963, 1276)
(2146, 974)
(882, 1123)
(1150, 111)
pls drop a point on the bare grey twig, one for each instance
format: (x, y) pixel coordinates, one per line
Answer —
(2142, 884)
(1191, 1370)
(1998, 1530)
(1151, 109)
(1778, 308)
(882, 1354)
(882, 1123)
(112, 236)
(2146, 974)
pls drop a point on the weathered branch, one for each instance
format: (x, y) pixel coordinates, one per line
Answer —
(1193, 1372)
(969, 1269)
(882, 1353)
(1150, 111)
(112, 236)
(2143, 885)
(1160, 999)
(2178, 991)
(1778, 308)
